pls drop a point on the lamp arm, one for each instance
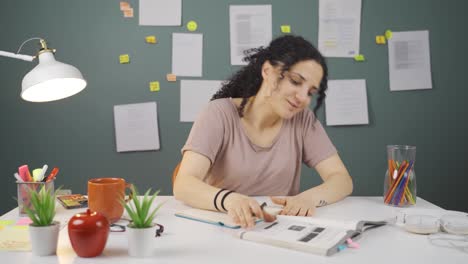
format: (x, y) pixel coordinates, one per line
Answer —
(21, 56)
(16, 56)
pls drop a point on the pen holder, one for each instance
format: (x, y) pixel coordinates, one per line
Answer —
(24, 188)
(400, 178)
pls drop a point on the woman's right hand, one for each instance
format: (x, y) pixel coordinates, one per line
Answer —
(243, 209)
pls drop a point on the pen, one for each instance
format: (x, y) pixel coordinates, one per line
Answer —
(52, 174)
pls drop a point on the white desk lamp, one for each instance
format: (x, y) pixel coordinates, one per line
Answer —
(50, 80)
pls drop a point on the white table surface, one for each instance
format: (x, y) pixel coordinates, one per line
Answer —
(186, 241)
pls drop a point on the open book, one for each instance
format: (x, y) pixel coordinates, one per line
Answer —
(218, 218)
(314, 235)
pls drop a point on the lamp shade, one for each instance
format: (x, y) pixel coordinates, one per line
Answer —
(51, 80)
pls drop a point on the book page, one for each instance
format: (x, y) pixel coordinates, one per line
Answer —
(342, 224)
(299, 235)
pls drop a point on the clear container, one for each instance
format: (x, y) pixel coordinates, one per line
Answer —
(400, 177)
(24, 188)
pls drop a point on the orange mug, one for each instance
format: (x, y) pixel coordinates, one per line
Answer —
(105, 196)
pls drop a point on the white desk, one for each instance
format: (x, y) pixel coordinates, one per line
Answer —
(186, 241)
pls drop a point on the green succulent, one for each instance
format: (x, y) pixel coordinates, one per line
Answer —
(42, 209)
(139, 210)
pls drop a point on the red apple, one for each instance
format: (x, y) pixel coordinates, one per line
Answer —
(88, 232)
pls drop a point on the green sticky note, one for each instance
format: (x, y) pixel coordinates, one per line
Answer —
(154, 86)
(359, 57)
(388, 34)
(285, 28)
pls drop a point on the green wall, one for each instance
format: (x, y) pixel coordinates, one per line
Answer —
(77, 134)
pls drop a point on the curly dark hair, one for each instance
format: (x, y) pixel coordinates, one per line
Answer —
(284, 51)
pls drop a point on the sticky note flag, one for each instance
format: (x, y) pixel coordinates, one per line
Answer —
(359, 57)
(128, 12)
(285, 28)
(23, 221)
(124, 58)
(151, 39)
(21, 227)
(192, 25)
(171, 77)
(388, 34)
(124, 5)
(380, 40)
(154, 86)
(6, 222)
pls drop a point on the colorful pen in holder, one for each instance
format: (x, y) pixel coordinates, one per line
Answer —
(400, 178)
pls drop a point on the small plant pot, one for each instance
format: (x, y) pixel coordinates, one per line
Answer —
(44, 239)
(141, 241)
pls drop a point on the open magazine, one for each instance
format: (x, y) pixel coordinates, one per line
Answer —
(219, 218)
(314, 235)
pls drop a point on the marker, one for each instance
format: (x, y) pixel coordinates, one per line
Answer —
(52, 174)
(25, 174)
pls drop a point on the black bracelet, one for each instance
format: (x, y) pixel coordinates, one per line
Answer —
(216, 197)
(224, 197)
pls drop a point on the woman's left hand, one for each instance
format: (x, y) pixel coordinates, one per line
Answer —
(298, 205)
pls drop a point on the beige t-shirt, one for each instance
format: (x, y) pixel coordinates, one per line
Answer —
(238, 164)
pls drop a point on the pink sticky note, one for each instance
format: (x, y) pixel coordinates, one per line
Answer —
(24, 221)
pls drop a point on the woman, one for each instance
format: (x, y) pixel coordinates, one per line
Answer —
(253, 136)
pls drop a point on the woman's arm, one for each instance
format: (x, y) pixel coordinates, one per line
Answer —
(190, 189)
(337, 184)
(188, 186)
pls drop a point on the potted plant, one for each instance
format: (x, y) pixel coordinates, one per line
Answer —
(43, 230)
(141, 230)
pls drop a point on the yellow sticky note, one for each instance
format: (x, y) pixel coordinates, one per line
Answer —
(6, 222)
(192, 25)
(21, 227)
(151, 39)
(380, 40)
(124, 58)
(359, 57)
(285, 28)
(154, 86)
(388, 34)
(171, 77)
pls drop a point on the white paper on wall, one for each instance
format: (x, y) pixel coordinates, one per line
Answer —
(136, 127)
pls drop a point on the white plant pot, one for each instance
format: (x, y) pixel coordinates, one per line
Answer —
(141, 241)
(44, 239)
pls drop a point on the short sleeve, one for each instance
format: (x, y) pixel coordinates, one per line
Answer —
(317, 146)
(207, 133)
